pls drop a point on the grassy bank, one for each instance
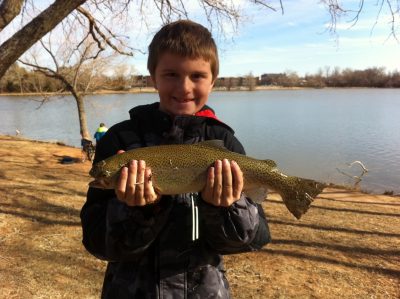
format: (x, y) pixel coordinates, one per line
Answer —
(346, 246)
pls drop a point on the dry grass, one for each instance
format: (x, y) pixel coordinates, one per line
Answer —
(346, 246)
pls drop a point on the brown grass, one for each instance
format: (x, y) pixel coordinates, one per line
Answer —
(346, 246)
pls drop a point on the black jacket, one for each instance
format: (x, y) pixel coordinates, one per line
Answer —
(150, 249)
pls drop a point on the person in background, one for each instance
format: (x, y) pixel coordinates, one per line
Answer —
(102, 129)
(147, 238)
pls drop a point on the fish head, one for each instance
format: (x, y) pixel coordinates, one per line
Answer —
(103, 177)
(102, 183)
(98, 170)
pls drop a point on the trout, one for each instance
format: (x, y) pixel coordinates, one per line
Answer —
(182, 168)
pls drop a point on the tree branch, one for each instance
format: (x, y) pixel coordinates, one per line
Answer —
(9, 9)
(15, 46)
(94, 30)
(48, 72)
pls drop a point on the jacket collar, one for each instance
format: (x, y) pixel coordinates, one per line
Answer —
(151, 114)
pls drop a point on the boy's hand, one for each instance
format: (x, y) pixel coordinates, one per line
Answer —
(224, 184)
(134, 186)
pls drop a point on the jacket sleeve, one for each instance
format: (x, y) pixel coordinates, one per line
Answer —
(112, 230)
(239, 228)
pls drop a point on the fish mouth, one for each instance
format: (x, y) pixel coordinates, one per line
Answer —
(100, 183)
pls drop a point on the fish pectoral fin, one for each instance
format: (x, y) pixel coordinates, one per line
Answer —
(258, 195)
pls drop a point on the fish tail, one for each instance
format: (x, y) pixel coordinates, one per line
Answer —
(300, 194)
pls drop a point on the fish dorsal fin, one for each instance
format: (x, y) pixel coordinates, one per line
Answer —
(270, 163)
(215, 143)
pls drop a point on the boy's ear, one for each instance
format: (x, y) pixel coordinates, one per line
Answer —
(212, 84)
(153, 80)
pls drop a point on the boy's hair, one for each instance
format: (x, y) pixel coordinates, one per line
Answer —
(187, 39)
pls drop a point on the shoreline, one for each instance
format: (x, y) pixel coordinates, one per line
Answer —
(143, 90)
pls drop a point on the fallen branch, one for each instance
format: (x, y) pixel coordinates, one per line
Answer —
(357, 179)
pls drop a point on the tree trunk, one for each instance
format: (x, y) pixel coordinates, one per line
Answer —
(21, 41)
(9, 9)
(82, 115)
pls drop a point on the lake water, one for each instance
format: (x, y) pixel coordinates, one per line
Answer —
(310, 133)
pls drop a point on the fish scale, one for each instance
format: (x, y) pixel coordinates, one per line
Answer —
(182, 168)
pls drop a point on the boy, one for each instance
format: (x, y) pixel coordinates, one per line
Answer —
(147, 238)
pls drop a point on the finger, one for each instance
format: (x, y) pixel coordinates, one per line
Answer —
(208, 190)
(226, 195)
(121, 184)
(150, 195)
(217, 191)
(237, 180)
(130, 183)
(139, 185)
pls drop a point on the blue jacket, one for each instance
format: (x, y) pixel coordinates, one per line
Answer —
(101, 131)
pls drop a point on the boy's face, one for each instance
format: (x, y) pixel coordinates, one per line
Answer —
(183, 84)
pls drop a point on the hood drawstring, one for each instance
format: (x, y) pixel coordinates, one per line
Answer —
(195, 218)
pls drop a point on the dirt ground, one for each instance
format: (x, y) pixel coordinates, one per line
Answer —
(346, 246)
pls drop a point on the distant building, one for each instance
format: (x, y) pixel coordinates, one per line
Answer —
(270, 79)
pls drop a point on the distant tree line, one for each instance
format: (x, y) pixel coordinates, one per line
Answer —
(371, 77)
(22, 80)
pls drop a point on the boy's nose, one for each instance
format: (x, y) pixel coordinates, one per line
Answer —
(186, 85)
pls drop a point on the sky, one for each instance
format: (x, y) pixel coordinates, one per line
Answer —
(299, 40)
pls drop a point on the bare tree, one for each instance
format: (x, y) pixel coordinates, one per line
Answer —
(250, 81)
(74, 67)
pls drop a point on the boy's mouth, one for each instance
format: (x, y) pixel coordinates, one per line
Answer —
(182, 100)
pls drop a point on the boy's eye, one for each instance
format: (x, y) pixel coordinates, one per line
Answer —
(197, 76)
(170, 75)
